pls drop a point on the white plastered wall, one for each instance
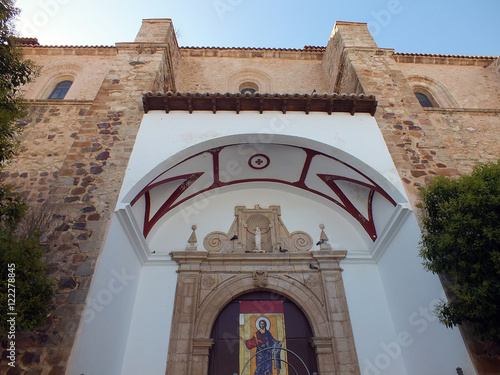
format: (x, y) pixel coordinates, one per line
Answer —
(382, 297)
(104, 330)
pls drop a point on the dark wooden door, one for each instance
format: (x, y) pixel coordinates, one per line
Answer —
(224, 355)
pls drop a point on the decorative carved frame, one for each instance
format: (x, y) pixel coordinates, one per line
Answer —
(241, 236)
(207, 281)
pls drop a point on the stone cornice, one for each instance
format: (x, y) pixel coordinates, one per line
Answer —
(246, 262)
(418, 58)
(308, 53)
(57, 102)
(31, 50)
(462, 110)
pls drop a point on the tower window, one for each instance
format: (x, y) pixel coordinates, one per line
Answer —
(60, 90)
(250, 87)
(425, 100)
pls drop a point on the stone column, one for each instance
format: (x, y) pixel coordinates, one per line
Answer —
(339, 347)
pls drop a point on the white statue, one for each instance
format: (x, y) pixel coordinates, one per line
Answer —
(258, 239)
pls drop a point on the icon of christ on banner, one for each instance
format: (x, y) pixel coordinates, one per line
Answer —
(262, 332)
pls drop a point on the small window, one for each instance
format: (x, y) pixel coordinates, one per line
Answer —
(60, 90)
(424, 99)
(250, 87)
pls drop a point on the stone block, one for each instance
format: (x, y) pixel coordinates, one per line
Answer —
(78, 296)
(85, 269)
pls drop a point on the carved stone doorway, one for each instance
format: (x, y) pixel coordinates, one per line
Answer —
(283, 265)
(208, 281)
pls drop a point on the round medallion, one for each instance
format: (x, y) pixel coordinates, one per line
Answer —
(259, 161)
(311, 281)
(208, 282)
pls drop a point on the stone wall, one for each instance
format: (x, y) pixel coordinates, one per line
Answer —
(470, 81)
(466, 120)
(415, 146)
(472, 136)
(426, 143)
(75, 156)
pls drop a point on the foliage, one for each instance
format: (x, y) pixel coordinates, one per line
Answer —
(17, 247)
(33, 290)
(461, 241)
(14, 72)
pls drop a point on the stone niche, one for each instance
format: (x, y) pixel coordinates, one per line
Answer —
(242, 236)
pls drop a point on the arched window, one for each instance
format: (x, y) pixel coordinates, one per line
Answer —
(250, 87)
(60, 90)
(425, 99)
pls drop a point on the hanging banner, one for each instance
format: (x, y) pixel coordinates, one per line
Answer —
(262, 333)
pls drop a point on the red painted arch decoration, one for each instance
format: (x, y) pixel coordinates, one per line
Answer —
(299, 167)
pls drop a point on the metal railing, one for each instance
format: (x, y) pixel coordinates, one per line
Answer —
(278, 359)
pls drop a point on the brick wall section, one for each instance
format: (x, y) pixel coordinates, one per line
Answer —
(422, 143)
(84, 186)
(210, 70)
(87, 65)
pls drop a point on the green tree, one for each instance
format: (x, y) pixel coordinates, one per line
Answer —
(17, 247)
(14, 72)
(461, 242)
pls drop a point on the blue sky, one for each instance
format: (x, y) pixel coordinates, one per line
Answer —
(420, 26)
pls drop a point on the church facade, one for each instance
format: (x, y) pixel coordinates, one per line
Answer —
(246, 210)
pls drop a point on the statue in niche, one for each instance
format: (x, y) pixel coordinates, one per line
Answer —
(258, 240)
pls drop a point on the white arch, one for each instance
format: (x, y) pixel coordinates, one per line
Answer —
(281, 139)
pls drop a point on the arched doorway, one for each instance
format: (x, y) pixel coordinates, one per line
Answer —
(226, 334)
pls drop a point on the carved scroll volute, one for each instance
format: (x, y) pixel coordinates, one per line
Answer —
(300, 241)
(216, 241)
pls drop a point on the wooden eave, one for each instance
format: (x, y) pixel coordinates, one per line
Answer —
(329, 103)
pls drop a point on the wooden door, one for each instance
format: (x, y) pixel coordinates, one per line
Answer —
(225, 353)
